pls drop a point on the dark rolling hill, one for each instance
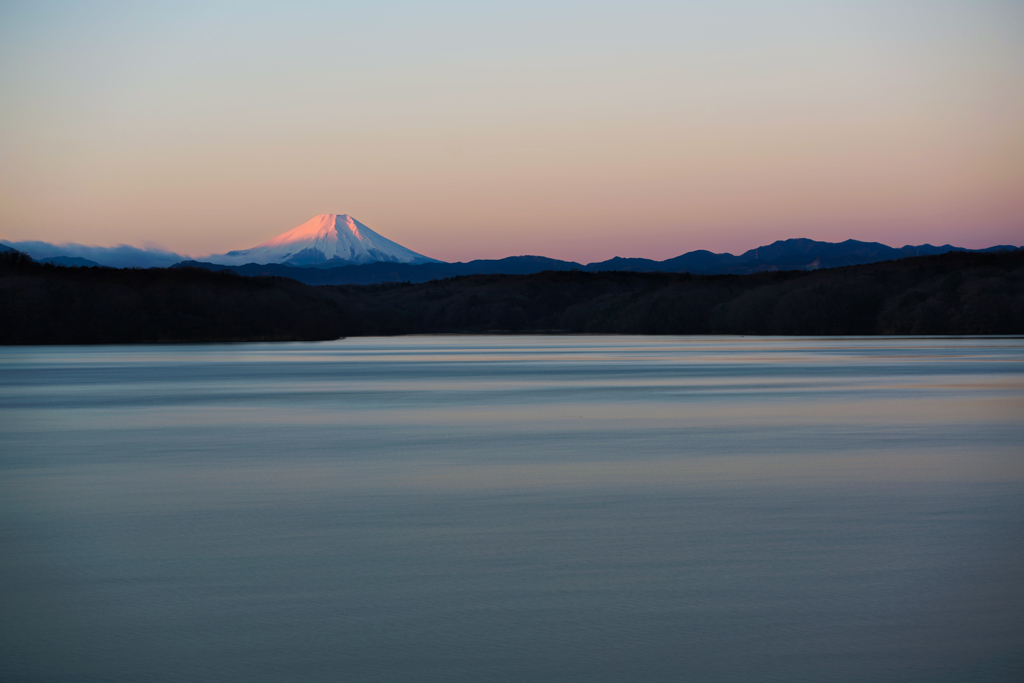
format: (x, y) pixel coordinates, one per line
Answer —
(43, 303)
(953, 293)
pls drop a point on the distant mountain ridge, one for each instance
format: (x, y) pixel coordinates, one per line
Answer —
(338, 249)
(791, 254)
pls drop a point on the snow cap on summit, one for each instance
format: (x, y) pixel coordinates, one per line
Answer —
(327, 239)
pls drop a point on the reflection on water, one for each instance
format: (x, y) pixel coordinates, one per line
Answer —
(514, 508)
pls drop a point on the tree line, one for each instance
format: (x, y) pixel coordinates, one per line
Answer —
(955, 293)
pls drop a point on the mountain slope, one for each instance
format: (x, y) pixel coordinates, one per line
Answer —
(324, 240)
(70, 261)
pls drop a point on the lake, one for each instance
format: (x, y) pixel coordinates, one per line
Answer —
(514, 508)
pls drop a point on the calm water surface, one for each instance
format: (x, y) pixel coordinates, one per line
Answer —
(514, 509)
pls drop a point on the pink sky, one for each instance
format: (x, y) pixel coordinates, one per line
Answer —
(645, 131)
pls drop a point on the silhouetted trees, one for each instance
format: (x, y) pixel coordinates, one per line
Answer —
(955, 293)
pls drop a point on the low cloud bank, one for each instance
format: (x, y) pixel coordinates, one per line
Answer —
(121, 256)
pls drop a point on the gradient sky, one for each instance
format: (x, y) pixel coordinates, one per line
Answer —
(577, 130)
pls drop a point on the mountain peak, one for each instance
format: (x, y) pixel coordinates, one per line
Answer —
(327, 239)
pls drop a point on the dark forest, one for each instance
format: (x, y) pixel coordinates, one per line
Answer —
(954, 294)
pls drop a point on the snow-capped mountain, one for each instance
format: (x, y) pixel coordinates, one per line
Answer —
(328, 239)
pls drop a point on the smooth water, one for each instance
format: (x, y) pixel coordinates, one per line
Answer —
(514, 509)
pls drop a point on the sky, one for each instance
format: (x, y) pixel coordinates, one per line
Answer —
(462, 130)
